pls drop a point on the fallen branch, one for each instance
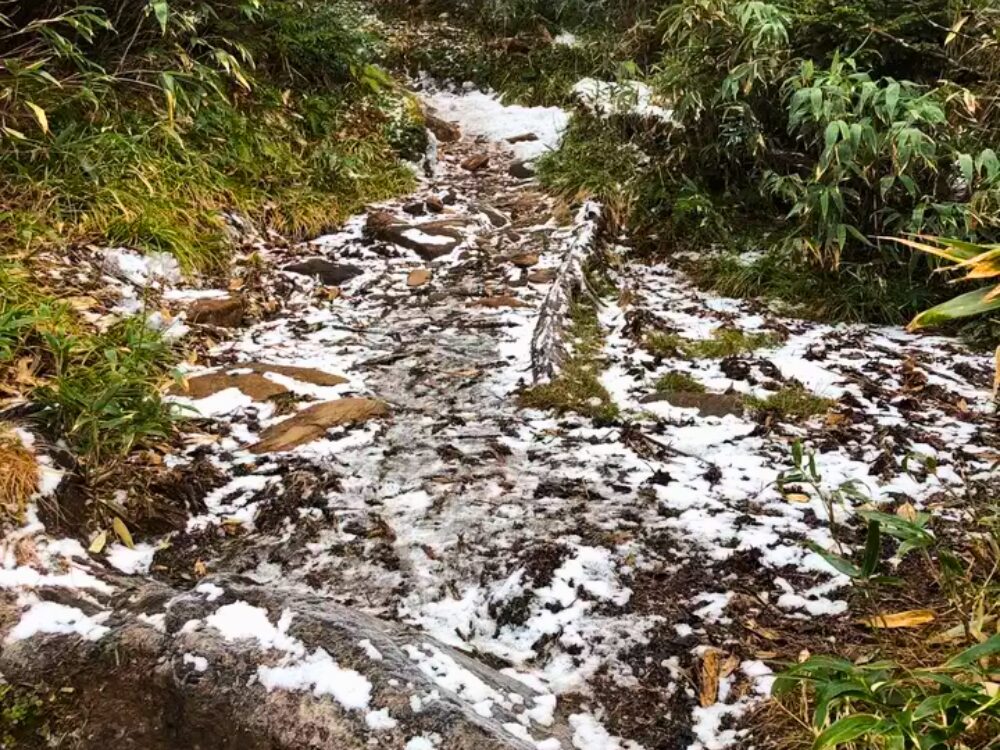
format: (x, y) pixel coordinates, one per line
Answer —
(548, 346)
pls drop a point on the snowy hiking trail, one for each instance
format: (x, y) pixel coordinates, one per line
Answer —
(636, 574)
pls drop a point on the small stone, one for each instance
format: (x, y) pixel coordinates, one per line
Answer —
(326, 271)
(525, 260)
(449, 198)
(542, 276)
(523, 138)
(225, 313)
(434, 204)
(476, 162)
(496, 218)
(707, 404)
(429, 240)
(444, 131)
(522, 170)
(418, 277)
(414, 209)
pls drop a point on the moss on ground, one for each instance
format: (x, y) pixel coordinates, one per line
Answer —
(578, 386)
(793, 402)
(678, 382)
(725, 342)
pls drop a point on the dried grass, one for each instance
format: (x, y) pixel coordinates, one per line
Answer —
(18, 474)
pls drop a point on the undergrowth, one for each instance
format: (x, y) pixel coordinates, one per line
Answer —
(926, 678)
(140, 124)
(678, 382)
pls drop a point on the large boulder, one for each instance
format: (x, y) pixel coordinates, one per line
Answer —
(235, 664)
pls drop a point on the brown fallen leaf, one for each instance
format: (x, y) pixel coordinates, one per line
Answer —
(200, 569)
(907, 512)
(708, 678)
(768, 633)
(912, 618)
(797, 497)
(525, 260)
(312, 423)
(418, 277)
(504, 300)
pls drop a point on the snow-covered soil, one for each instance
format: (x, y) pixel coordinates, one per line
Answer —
(597, 563)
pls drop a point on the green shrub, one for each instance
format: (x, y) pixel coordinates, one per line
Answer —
(104, 397)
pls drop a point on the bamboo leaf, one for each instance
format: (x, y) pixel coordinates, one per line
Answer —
(962, 306)
(122, 532)
(913, 618)
(847, 729)
(39, 113)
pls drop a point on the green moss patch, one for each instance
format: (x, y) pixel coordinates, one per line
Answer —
(792, 402)
(578, 387)
(725, 342)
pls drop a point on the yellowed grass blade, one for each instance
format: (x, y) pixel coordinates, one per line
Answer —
(912, 618)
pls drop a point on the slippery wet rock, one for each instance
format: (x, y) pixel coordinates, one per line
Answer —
(251, 384)
(497, 218)
(226, 312)
(525, 260)
(416, 208)
(250, 379)
(312, 423)
(476, 162)
(429, 240)
(444, 131)
(418, 277)
(522, 170)
(326, 271)
(303, 374)
(267, 667)
(434, 204)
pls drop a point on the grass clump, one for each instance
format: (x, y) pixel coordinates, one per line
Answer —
(18, 474)
(578, 387)
(678, 382)
(792, 402)
(128, 127)
(725, 342)
(104, 395)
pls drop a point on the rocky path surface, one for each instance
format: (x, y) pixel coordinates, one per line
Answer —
(384, 549)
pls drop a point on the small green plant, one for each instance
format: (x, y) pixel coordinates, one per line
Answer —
(946, 701)
(883, 704)
(678, 382)
(104, 396)
(792, 402)
(21, 716)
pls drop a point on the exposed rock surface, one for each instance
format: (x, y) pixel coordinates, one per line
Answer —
(207, 677)
(326, 271)
(225, 313)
